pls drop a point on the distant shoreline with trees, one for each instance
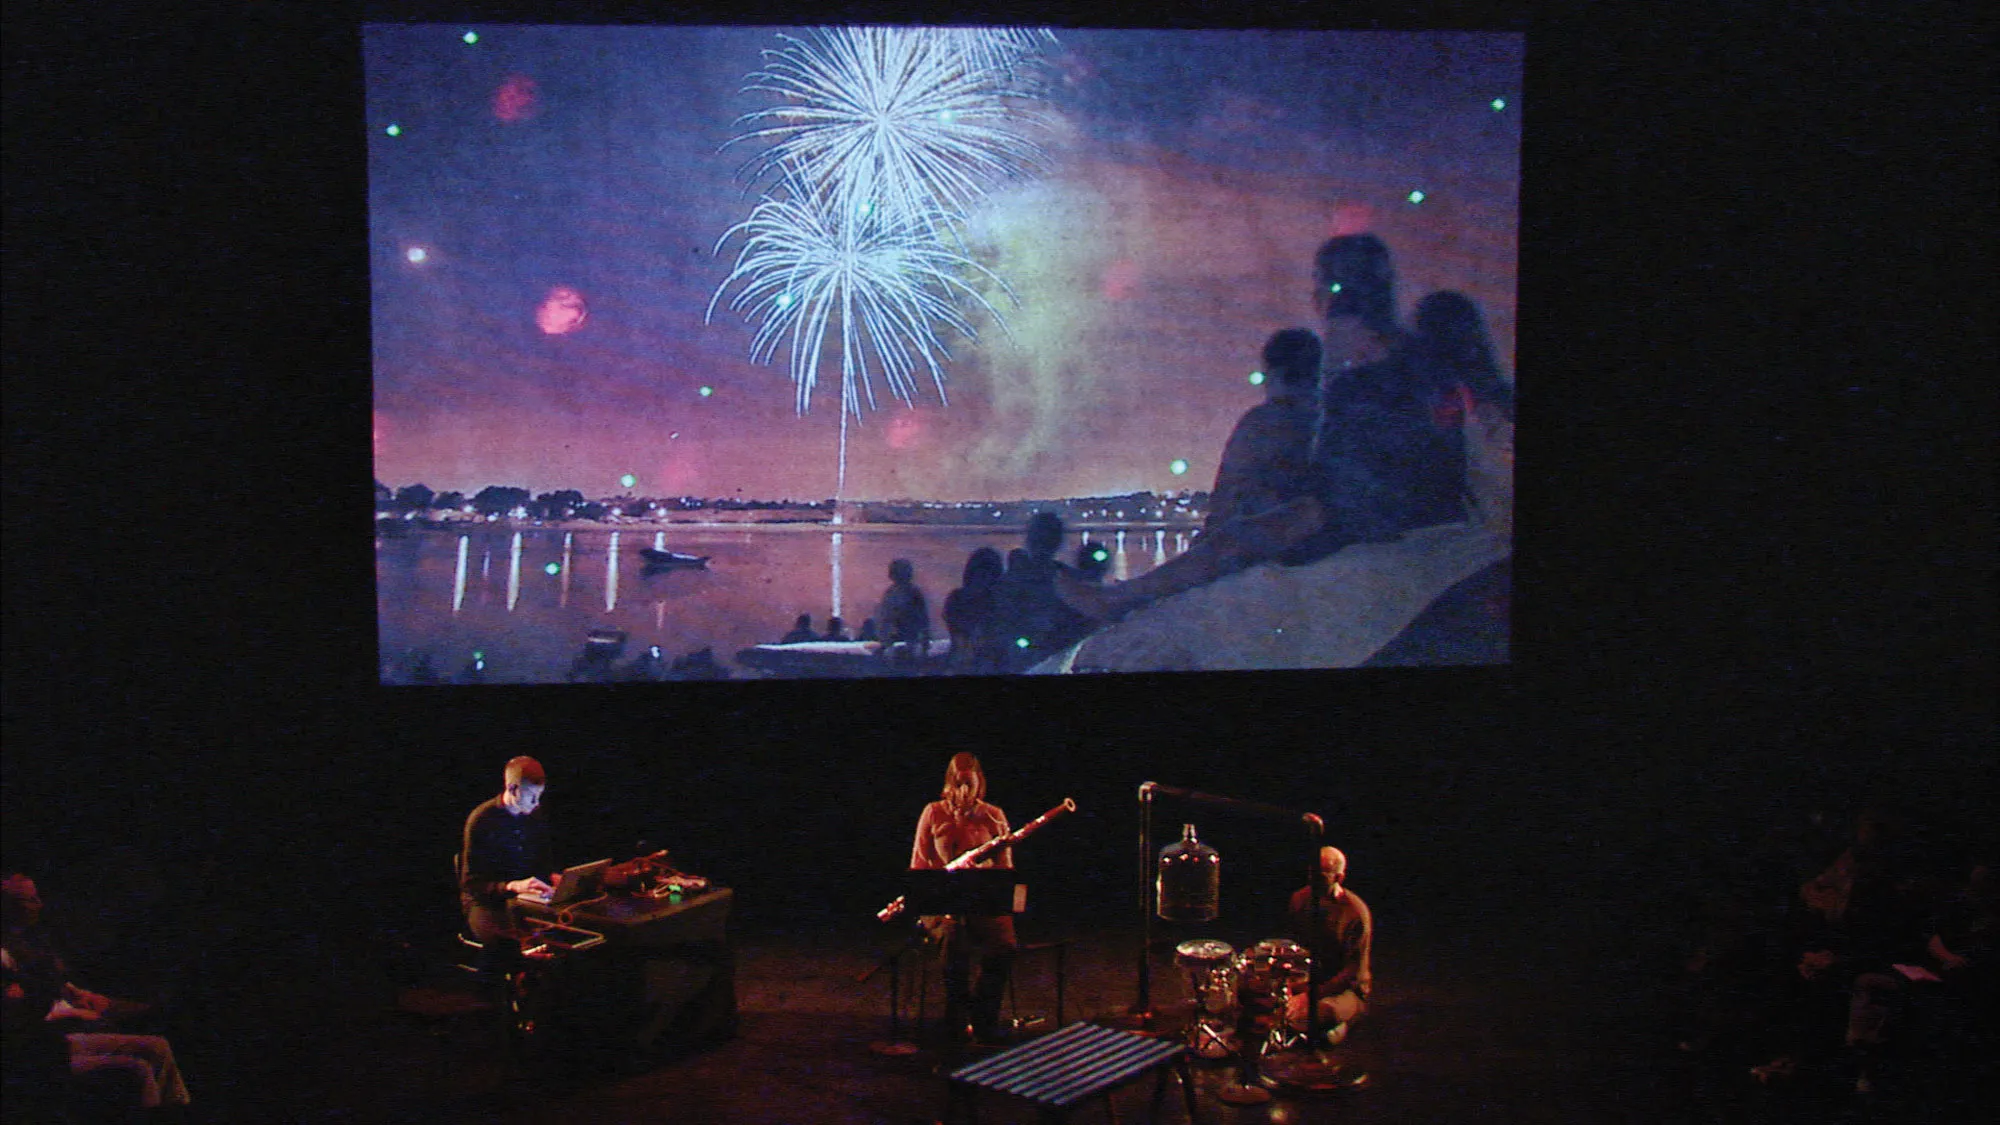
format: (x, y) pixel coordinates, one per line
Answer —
(417, 507)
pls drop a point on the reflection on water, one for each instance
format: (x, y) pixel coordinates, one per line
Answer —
(611, 575)
(758, 580)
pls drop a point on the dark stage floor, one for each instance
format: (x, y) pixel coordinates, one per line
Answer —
(1462, 1029)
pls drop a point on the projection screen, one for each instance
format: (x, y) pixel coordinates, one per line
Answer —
(756, 352)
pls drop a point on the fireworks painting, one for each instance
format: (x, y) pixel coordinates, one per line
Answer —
(640, 295)
(923, 123)
(883, 139)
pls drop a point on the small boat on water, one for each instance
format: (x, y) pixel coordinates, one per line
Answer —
(840, 658)
(658, 558)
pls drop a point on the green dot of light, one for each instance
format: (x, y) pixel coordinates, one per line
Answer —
(394, 130)
(1256, 378)
(628, 480)
(1020, 642)
(1177, 467)
(706, 391)
(1499, 104)
(552, 569)
(417, 254)
(1334, 288)
(1416, 197)
(470, 37)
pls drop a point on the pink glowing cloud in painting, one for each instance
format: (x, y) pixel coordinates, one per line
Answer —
(515, 99)
(561, 312)
(904, 429)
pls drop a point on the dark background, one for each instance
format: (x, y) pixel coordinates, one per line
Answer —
(1755, 573)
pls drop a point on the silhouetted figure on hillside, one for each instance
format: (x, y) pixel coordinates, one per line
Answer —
(698, 665)
(969, 614)
(1378, 464)
(1093, 561)
(904, 614)
(1031, 622)
(1267, 459)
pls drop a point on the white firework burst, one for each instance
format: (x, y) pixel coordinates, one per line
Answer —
(918, 121)
(882, 280)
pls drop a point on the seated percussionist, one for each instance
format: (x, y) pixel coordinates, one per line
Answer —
(1339, 946)
(949, 827)
(505, 853)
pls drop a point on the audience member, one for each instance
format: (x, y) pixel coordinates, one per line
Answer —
(870, 631)
(802, 631)
(836, 630)
(50, 1022)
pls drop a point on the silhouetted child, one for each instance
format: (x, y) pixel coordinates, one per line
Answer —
(904, 614)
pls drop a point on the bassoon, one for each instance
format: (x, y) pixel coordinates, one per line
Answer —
(890, 912)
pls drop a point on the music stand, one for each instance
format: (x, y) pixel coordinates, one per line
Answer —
(971, 891)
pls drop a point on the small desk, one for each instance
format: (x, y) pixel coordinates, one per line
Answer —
(665, 976)
(1060, 1071)
(643, 922)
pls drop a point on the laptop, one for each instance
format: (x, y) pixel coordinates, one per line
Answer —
(584, 881)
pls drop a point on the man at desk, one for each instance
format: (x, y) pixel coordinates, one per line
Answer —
(505, 852)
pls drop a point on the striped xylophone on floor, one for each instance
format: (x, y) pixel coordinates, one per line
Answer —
(1081, 1061)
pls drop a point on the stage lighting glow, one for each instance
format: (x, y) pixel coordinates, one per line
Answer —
(417, 254)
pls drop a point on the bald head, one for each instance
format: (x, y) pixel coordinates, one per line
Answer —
(1332, 866)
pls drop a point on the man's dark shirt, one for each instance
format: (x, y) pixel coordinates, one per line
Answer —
(499, 848)
(1381, 464)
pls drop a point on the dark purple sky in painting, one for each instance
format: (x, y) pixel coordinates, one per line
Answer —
(1193, 174)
